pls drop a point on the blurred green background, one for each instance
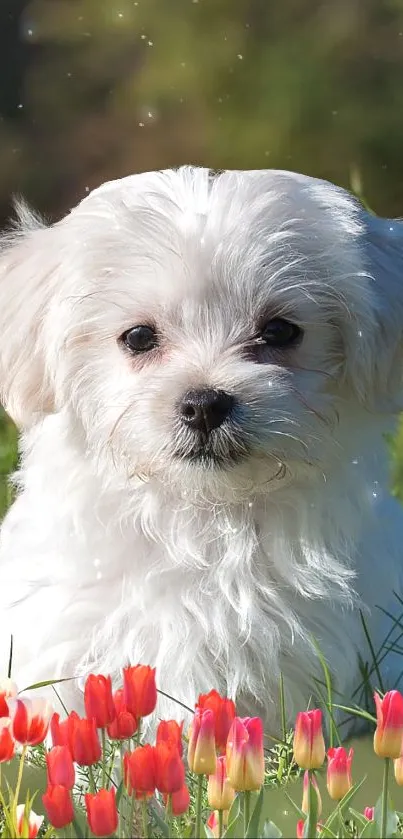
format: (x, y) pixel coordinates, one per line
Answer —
(96, 89)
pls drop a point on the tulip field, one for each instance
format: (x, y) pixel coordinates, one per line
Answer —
(215, 779)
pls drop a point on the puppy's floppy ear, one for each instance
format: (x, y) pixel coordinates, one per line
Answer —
(28, 273)
(374, 363)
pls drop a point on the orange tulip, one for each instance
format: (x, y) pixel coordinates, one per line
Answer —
(224, 715)
(201, 747)
(98, 700)
(389, 730)
(102, 813)
(60, 767)
(139, 770)
(180, 801)
(7, 743)
(309, 745)
(170, 731)
(58, 806)
(170, 771)
(83, 740)
(220, 793)
(245, 756)
(139, 690)
(125, 724)
(30, 719)
(29, 825)
(339, 772)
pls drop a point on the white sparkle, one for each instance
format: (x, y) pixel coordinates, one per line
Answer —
(359, 333)
(99, 575)
(240, 56)
(375, 495)
(391, 229)
(97, 563)
(141, 124)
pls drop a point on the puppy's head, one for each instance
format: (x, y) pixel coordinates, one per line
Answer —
(198, 326)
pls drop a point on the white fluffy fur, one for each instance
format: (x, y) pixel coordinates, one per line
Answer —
(117, 551)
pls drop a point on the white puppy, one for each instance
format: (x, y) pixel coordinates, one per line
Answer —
(204, 368)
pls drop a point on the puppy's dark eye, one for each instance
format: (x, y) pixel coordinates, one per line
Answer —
(140, 338)
(280, 333)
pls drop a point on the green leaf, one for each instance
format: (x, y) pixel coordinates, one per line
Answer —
(253, 826)
(46, 683)
(161, 823)
(359, 817)
(391, 822)
(235, 821)
(270, 831)
(119, 791)
(344, 802)
(298, 811)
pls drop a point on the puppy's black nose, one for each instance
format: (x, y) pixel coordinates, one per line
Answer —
(203, 410)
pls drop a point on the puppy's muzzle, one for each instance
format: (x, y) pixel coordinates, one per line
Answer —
(203, 410)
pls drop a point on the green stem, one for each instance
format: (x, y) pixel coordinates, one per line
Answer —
(312, 808)
(19, 777)
(220, 823)
(384, 818)
(138, 733)
(93, 787)
(111, 765)
(103, 741)
(246, 811)
(145, 817)
(130, 817)
(199, 797)
(169, 817)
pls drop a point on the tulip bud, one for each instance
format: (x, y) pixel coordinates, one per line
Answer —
(369, 813)
(125, 724)
(8, 690)
(245, 756)
(139, 690)
(170, 731)
(389, 730)
(139, 770)
(305, 794)
(7, 743)
(60, 767)
(220, 794)
(102, 813)
(224, 715)
(201, 748)
(309, 745)
(98, 700)
(170, 771)
(339, 772)
(30, 719)
(27, 825)
(58, 805)
(398, 770)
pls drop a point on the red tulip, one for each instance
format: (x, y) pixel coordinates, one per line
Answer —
(309, 745)
(7, 743)
(84, 742)
(60, 767)
(339, 772)
(27, 825)
(102, 813)
(224, 715)
(180, 801)
(245, 755)
(201, 748)
(30, 719)
(125, 724)
(8, 690)
(139, 769)
(170, 771)
(220, 793)
(170, 731)
(98, 700)
(389, 730)
(58, 806)
(139, 690)
(60, 731)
